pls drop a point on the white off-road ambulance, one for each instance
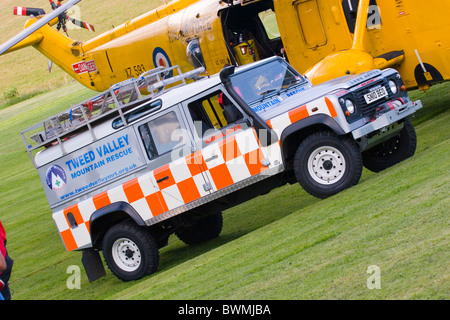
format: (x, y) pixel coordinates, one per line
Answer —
(124, 170)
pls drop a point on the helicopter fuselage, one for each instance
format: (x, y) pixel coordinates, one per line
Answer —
(323, 39)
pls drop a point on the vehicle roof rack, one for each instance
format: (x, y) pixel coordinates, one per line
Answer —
(120, 97)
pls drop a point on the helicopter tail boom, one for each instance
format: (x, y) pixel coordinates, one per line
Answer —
(66, 54)
(31, 40)
(39, 23)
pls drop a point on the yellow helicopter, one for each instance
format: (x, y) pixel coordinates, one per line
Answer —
(323, 39)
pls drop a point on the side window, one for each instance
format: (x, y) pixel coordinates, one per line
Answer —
(162, 135)
(213, 111)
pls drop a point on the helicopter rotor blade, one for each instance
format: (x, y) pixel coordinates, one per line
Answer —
(82, 24)
(36, 26)
(25, 11)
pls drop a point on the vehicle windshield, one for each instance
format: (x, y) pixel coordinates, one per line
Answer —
(273, 78)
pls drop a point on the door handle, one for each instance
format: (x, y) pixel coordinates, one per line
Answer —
(212, 158)
(162, 179)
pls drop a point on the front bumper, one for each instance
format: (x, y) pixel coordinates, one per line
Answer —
(392, 116)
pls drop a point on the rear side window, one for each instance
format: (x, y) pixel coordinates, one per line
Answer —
(162, 135)
(138, 113)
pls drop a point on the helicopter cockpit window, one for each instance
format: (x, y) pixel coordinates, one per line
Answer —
(269, 22)
(350, 8)
(251, 32)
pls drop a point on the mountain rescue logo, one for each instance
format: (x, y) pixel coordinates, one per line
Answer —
(56, 178)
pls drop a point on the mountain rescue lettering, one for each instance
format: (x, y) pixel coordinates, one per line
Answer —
(105, 153)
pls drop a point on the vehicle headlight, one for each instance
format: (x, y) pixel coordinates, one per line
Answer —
(350, 106)
(393, 86)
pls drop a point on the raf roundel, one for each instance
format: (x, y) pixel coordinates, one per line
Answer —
(161, 59)
(56, 178)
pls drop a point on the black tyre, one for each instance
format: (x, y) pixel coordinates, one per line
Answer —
(392, 151)
(205, 229)
(130, 251)
(326, 164)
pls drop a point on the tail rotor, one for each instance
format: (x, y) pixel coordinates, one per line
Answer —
(24, 11)
(63, 18)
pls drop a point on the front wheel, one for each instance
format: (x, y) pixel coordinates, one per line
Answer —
(130, 251)
(326, 164)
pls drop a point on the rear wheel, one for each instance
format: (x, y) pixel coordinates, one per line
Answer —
(205, 229)
(130, 251)
(392, 151)
(326, 164)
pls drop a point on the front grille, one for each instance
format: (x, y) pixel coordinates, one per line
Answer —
(369, 110)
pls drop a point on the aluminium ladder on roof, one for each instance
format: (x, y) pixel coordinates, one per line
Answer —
(125, 94)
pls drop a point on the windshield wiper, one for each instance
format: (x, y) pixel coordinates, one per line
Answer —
(288, 87)
(265, 93)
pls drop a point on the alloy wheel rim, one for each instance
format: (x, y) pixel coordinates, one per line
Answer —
(326, 165)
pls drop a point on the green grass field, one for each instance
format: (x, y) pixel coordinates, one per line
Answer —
(284, 245)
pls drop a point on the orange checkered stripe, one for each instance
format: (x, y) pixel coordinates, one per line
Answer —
(182, 181)
(319, 106)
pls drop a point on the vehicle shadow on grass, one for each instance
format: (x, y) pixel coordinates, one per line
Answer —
(239, 221)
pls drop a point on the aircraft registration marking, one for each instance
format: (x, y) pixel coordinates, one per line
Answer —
(135, 71)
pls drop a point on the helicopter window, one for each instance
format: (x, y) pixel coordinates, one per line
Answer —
(162, 135)
(213, 111)
(269, 22)
(311, 23)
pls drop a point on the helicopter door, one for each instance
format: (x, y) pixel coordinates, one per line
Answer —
(311, 24)
(251, 31)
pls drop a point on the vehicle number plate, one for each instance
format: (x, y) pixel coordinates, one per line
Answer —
(375, 95)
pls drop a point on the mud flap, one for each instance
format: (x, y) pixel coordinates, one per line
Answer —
(93, 265)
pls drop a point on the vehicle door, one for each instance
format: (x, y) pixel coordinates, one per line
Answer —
(174, 179)
(224, 137)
